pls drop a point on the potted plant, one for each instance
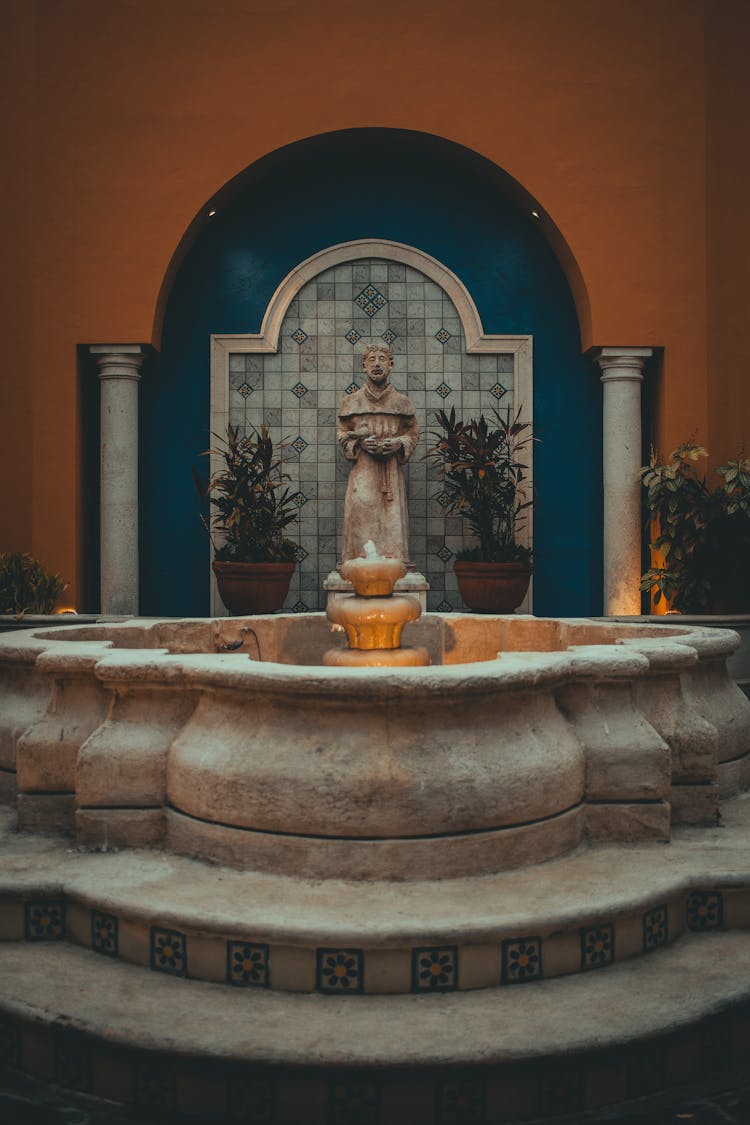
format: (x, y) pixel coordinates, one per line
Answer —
(26, 587)
(482, 469)
(702, 534)
(253, 559)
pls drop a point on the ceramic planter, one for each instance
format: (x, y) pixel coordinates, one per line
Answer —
(253, 587)
(492, 587)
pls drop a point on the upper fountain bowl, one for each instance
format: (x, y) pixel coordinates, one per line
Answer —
(373, 577)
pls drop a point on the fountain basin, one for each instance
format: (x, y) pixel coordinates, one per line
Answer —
(523, 739)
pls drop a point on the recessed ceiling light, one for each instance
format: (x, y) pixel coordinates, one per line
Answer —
(535, 215)
(211, 214)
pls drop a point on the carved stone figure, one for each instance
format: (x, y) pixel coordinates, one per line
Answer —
(378, 433)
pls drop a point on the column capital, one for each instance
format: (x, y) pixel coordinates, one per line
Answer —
(626, 364)
(119, 361)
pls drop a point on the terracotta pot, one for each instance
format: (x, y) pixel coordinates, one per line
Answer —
(253, 587)
(492, 587)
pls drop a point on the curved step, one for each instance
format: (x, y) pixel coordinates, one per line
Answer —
(599, 906)
(92, 1023)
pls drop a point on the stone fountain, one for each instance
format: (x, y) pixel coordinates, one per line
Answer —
(373, 617)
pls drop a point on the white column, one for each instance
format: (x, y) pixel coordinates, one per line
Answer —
(119, 376)
(622, 375)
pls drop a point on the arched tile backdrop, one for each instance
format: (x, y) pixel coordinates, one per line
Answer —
(446, 202)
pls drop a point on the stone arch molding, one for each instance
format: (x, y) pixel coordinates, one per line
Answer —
(268, 340)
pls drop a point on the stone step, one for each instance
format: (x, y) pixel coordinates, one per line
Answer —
(599, 905)
(537, 1049)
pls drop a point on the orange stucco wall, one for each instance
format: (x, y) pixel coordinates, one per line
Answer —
(125, 119)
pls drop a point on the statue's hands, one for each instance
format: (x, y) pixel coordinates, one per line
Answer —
(372, 445)
(389, 446)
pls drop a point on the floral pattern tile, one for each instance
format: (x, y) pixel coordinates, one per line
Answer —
(339, 970)
(521, 960)
(597, 946)
(434, 968)
(250, 1099)
(355, 1103)
(247, 964)
(104, 933)
(705, 910)
(72, 1066)
(461, 1102)
(655, 928)
(168, 951)
(45, 921)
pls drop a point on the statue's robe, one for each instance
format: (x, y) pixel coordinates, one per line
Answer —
(375, 506)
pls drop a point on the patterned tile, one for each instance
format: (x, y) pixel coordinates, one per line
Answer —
(299, 444)
(245, 389)
(655, 927)
(352, 388)
(443, 499)
(247, 964)
(461, 1103)
(389, 336)
(498, 391)
(353, 336)
(10, 1044)
(597, 946)
(645, 1070)
(250, 1100)
(443, 390)
(300, 500)
(445, 607)
(72, 1066)
(299, 607)
(561, 1090)
(153, 1087)
(299, 390)
(168, 951)
(370, 300)
(104, 933)
(444, 553)
(355, 1103)
(705, 910)
(521, 960)
(299, 336)
(443, 335)
(45, 921)
(434, 969)
(339, 970)
(300, 554)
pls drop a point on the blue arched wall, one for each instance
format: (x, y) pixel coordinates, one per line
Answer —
(412, 189)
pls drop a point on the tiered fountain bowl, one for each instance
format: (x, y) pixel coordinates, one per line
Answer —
(373, 617)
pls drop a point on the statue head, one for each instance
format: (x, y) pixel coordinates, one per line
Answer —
(377, 360)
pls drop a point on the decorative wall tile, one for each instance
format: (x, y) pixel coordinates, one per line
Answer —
(247, 964)
(597, 946)
(655, 927)
(10, 1043)
(104, 933)
(45, 921)
(250, 1100)
(521, 960)
(73, 1066)
(705, 910)
(561, 1090)
(168, 951)
(339, 970)
(355, 1103)
(434, 969)
(153, 1086)
(325, 331)
(461, 1102)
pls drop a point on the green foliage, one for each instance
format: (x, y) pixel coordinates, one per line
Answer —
(252, 505)
(483, 477)
(703, 534)
(26, 587)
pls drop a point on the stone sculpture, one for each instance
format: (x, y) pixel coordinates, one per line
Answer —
(378, 432)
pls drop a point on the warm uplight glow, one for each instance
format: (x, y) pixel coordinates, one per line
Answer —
(66, 609)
